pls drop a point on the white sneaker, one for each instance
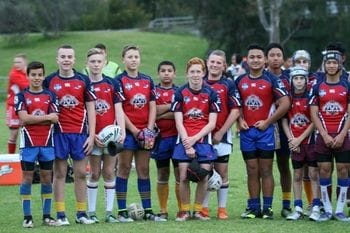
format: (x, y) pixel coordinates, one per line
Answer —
(62, 221)
(124, 217)
(297, 214)
(28, 223)
(84, 220)
(315, 213)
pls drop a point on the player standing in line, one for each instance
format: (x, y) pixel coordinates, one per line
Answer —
(222, 134)
(110, 68)
(74, 133)
(299, 131)
(37, 108)
(109, 111)
(195, 107)
(259, 91)
(17, 82)
(140, 116)
(275, 59)
(163, 151)
(330, 108)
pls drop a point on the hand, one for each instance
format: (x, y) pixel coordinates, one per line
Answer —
(53, 117)
(294, 143)
(89, 144)
(338, 141)
(191, 153)
(121, 138)
(98, 142)
(189, 142)
(217, 137)
(243, 124)
(328, 140)
(262, 125)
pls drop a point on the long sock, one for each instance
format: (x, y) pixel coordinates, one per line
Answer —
(121, 187)
(316, 202)
(307, 189)
(144, 187)
(80, 208)
(46, 198)
(267, 202)
(222, 194)
(197, 207)
(109, 195)
(185, 207)
(60, 209)
(324, 184)
(92, 190)
(286, 197)
(343, 188)
(298, 202)
(11, 147)
(163, 195)
(25, 191)
(177, 193)
(255, 203)
(205, 203)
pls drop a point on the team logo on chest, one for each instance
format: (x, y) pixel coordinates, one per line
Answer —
(194, 113)
(128, 86)
(139, 100)
(101, 106)
(57, 87)
(332, 108)
(299, 120)
(38, 112)
(253, 102)
(69, 101)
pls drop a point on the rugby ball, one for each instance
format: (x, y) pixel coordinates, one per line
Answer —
(110, 133)
(136, 211)
(214, 181)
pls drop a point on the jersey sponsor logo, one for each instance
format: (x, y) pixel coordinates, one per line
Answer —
(28, 101)
(245, 86)
(332, 108)
(37, 99)
(194, 113)
(165, 94)
(299, 120)
(67, 84)
(145, 86)
(101, 106)
(137, 84)
(128, 86)
(322, 92)
(158, 95)
(139, 100)
(69, 101)
(187, 99)
(38, 112)
(57, 87)
(253, 102)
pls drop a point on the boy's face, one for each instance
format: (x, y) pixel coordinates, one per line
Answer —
(331, 66)
(65, 59)
(275, 58)
(166, 74)
(216, 65)
(132, 60)
(303, 63)
(96, 63)
(256, 60)
(195, 74)
(36, 78)
(299, 83)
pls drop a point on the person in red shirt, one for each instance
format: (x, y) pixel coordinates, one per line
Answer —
(17, 82)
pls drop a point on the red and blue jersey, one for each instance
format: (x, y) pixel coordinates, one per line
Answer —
(195, 106)
(107, 93)
(38, 104)
(166, 96)
(258, 96)
(332, 100)
(299, 116)
(229, 99)
(138, 92)
(72, 94)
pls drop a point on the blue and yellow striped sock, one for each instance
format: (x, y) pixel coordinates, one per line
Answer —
(26, 196)
(46, 198)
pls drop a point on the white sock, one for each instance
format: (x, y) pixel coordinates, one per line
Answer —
(109, 195)
(205, 203)
(341, 199)
(325, 199)
(92, 188)
(222, 195)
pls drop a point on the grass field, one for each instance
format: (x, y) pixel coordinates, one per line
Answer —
(155, 47)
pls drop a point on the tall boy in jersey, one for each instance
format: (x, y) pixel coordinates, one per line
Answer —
(330, 99)
(274, 53)
(38, 110)
(257, 135)
(73, 136)
(222, 134)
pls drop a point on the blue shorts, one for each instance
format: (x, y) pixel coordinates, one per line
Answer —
(204, 151)
(164, 148)
(37, 153)
(130, 142)
(254, 139)
(69, 144)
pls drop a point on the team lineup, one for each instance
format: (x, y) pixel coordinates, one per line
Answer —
(112, 119)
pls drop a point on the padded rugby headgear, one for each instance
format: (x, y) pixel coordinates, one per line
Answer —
(301, 54)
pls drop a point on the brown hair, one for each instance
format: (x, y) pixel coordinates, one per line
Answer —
(129, 47)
